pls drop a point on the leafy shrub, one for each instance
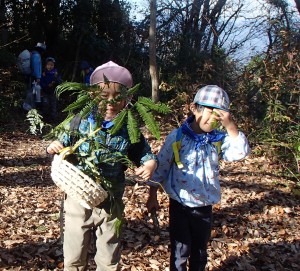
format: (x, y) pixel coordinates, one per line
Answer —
(35, 121)
(271, 83)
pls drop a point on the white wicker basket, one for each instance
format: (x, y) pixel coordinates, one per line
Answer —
(75, 183)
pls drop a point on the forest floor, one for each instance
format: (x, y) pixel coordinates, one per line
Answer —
(256, 225)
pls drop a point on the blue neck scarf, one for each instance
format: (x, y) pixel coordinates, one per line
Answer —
(201, 139)
(106, 124)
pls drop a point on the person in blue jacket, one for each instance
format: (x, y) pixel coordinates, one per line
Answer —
(36, 62)
(87, 71)
(49, 81)
(188, 170)
(36, 74)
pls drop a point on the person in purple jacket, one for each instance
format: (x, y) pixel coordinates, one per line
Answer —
(50, 79)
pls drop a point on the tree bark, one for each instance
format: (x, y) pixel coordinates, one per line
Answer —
(152, 52)
(3, 24)
(298, 5)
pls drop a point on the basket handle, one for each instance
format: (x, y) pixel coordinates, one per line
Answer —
(69, 150)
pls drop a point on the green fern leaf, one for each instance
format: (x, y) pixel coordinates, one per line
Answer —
(58, 130)
(133, 90)
(132, 127)
(88, 108)
(159, 107)
(118, 225)
(68, 86)
(119, 121)
(79, 103)
(148, 118)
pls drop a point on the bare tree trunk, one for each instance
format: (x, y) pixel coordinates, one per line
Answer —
(298, 5)
(3, 24)
(78, 46)
(152, 52)
(214, 19)
(196, 18)
(203, 26)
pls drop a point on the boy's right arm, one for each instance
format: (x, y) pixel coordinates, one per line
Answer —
(54, 147)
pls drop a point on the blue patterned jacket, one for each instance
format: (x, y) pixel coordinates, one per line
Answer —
(114, 145)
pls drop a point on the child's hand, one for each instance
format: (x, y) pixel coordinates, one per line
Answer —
(227, 122)
(54, 147)
(146, 170)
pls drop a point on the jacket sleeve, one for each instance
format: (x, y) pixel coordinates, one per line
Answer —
(165, 159)
(43, 81)
(140, 152)
(36, 65)
(234, 149)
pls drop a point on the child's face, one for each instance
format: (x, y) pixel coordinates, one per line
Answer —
(110, 92)
(204, 118)
(50, 65)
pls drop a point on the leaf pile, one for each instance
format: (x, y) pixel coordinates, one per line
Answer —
(256, 225)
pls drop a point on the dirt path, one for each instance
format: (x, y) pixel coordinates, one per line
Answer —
(256, 225)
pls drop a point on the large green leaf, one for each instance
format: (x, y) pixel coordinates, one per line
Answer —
(159, 107)
(119, 121)
(149, 120)
(132, 127)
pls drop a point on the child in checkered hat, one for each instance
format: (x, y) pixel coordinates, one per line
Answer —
(188, 170)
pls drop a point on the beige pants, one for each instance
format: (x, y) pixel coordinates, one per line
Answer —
(77, 234)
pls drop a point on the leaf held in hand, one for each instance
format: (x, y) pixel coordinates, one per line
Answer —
(214, 124)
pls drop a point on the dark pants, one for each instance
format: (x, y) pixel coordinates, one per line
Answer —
(49, 106)
(30, 99)
(190, 230)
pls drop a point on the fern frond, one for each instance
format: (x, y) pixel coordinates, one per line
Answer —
(119, 121)
(87, 108)
(68, 86)
(148, 118)
(159, 107)
(79, 103)
(132, 127)
(59, 129)
(118, 225)
(133, 90)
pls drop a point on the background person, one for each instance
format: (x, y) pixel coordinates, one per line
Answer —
(49, 81)
(87, 71)
(35, 75)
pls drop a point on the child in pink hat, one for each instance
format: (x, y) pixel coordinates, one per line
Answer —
(79, 221)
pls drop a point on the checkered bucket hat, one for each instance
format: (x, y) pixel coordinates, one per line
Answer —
(212, 96)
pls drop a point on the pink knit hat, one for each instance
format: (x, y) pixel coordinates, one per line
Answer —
(111, 72)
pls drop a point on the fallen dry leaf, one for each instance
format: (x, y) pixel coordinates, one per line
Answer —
(256, 224)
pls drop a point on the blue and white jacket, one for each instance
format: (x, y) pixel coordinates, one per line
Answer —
(197, 183)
